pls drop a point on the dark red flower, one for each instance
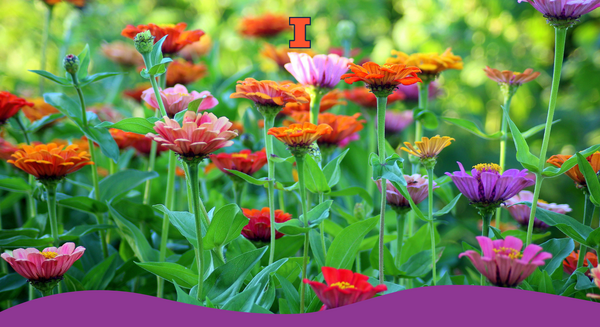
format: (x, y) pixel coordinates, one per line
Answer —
(10, 105)
(343, 287)
(259, 226)
(244, 161)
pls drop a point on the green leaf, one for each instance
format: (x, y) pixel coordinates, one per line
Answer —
(316, 246)
(419, 242)
(134, 237)
(102, 273)
(21, 241)
(11, 282)
(560, 249)
(472, 127)
(244, 301)
(591, 179)
(171, 271)
(185, 223)
(58, 80)
(36, 125)
(524, 156)
(389, 266)
(535, 129)
(156, 54)
(226, 225)
(78, 231)
(448, 207)
(290, 293)
(369, 242)
(594, 238)
(84, 62)
(65, 105)
(333, 169)
(98, 76)
(552, 171)
(28, 232)
(122, 182)
(157, 70)
(428, 119)
(134, 125)
(315, 216)
(104, 139)
(419, 264)
(353, 190)
(315, 179)
(344, 248)
(571, 227)
(249, 179)
(14, 184)
(262, 278)
(521, 234)
(73, 285)
(391, 287)
(85, 204)
(183, 297)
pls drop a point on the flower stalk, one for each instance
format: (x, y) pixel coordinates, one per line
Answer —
(588, 214)
(381, 107)
(270, 122)
(316, 94)
(400, 224)
(169, 199)
(192, 176)
(302, 183)
(52, 217)
(560, 39)
(503, 138)
(431, 223)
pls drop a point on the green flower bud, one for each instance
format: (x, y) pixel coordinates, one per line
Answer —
(144, 42)
(71, 64)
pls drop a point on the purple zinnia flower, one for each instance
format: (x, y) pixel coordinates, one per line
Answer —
(322, 71)
(411, 92)
(397, 121)
(486, 187)
(564, 10)
(503, 263)
(521, 212)
(417, 187)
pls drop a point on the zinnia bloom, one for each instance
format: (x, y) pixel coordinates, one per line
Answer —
(430, 64)
(521, 211)
(259, 226)
(417, 186)
(6, 149)
(50, 162)
(411, 92)
(136, 93)
(177, 98)
(321, 71)
(570, 262)
(503, 263)
(122, 53)
(269, 96)
(81, 143)
(364, 98)
(397, 121)
(267, 25)
(486, 187)
(76, 3)
(428, 148)
(382, 80)
(342, 127)
(193, 51)
(244, 161)
(39, 110)
(10, 105)
(563, 10)
(596, 276)
(184, 72)
(44, 269)
(177, 37)
(299, 137)
(124, 139)
(511, 78)
(279, 54)
(575, 174)
(328, 101)
(343, 287)
(198, 136)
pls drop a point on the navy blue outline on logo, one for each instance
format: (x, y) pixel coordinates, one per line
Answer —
(305, 34)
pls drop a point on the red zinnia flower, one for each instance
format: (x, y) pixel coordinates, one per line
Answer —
(267, 25)
(343, 287)
(259, 226)
(177, 36)
(244, 161)
(6, 149)
(10, 105)
(570, 262)
(144, 147)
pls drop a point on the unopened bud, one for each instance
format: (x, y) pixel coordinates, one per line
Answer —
(359, 211)
(144, 42)
(71, 64)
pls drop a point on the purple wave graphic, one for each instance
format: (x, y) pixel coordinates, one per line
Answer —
(429, 306)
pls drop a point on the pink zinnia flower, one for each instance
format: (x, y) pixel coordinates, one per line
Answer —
(197, 137)
(46, 268)
(521, 211)
(564, 9)
(503, 263)
(397, 121)
(323, 71)
(345, 141)
(177, 99)
(417, 186)
(486, 187)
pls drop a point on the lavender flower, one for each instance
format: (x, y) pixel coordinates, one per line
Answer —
(322, 71)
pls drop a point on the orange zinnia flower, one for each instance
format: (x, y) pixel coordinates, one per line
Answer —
(124, 139)
(428, 148)
(280, 54)
(81, 143)
(299, 137)
(382, 80)
(136, 93)
(511, 78)
(575, 174)
(267, 25)
(364, 98)
(50, 162)
(328, 101)
(122, 53)
(431, 64)
(196, 50)
(570, 262)
(269, 96)
(184, 72)
(177, 36)
(342, 126)
(38, 110)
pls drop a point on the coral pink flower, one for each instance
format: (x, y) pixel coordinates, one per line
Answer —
(417, 186)
(244, 161)
(564, 9)
(322, 71)
(503, 263)
(197, 137)
(177, 99)
(44, 267)
(259, 226)
(343, 287)
(397, 121)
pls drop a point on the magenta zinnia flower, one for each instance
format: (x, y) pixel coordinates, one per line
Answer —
(564, 9)
(417, 187)
(198, 136)
(397, 121)
(503, 263)
(45, 269)
(177, 98)
(521, 211)
(486, 187)
(322, 71)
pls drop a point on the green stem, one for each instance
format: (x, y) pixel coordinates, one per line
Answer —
(588, 213)
(560, 36)
(485, 230)
(45, 35)
(238, 189)
(301, 181)
(400, 223)
(381, 107)
(161, 106)
(322, 229)
(315, 103)
(431, 223)
(281, 200)
(194, 181)
(270, 122)
(169, 199)
(151, 163)
(51, 201)
(371, 148)
(503, 139)
(22, 127)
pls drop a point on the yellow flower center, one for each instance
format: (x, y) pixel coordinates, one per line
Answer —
(487, 167)
(240, 155)
(343, 285)
(511, 253)
(49, 255)
(542, 201)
